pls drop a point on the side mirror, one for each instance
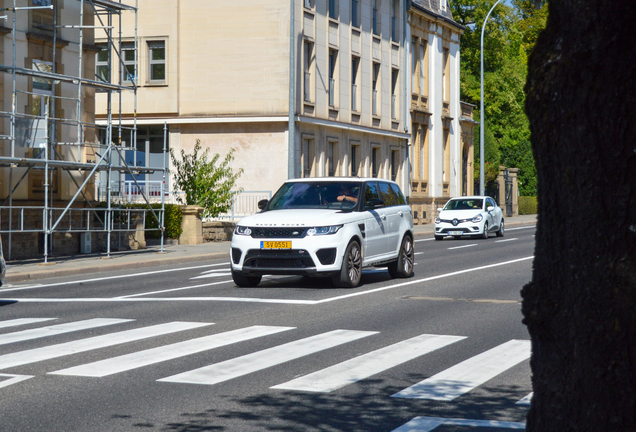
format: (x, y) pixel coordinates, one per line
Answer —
(374, 203)
(490, 208)
(439, 209)
(262, 204)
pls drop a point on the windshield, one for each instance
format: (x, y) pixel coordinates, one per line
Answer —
(465, 204)
(316, 195)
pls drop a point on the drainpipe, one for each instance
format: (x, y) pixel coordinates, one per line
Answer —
(291, 147)
(406, 43)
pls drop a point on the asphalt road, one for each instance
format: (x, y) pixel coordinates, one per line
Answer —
(180, 348)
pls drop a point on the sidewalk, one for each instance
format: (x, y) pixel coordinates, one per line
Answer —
(152, 256)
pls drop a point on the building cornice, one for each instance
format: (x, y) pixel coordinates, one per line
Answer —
(351, 127)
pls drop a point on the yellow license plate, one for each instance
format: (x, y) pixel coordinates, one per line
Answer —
(276, 245)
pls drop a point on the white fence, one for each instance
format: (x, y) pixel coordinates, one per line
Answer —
(127, 192)
(244, 204)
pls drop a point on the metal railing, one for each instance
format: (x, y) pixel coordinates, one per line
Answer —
(244, 204)
(128, 192)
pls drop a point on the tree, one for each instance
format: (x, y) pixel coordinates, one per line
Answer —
(580, 306)
(203, 182)
(510, 35)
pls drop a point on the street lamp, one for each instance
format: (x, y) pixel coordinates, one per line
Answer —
(482, 189)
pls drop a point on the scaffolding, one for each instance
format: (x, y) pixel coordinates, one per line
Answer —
(44, 144)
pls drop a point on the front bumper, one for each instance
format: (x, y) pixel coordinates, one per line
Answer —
(307, 256)
(462, 229)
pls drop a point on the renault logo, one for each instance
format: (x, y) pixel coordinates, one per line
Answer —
(455, 222)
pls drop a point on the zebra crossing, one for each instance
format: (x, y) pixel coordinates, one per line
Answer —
(446, 385)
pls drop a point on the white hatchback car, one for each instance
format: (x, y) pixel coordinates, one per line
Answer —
(469, 216)
(326, 227)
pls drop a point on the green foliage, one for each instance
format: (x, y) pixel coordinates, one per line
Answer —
(528, 205)
(172, 218)
(510, 35)
(203, 182)
(172, 221)
(492, 159)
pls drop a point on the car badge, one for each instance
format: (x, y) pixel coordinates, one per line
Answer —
(455, 222)
(295, 233)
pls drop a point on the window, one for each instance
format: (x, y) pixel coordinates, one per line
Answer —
(308, 157)
(445, 156)
(394, 17)
(309, 4)
(41, 2)
(355, 160)
(388, 195)
(308, 61)
(446, 75)
(423, 78)
(129, 61)
(371, 192)
(375, 89)
(157, 61)
(415, 65)
(375, 161)
(332, 155)
(355, 70)
(376, 17)
(333, 9)
(394, 164)
(333, 60)
(398, 192)
(355, 13)
(394, 93)
(102, 69)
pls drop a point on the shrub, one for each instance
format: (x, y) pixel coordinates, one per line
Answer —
(528, 205)
(172, 218)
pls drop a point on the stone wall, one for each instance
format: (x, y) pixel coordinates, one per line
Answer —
(218, 231)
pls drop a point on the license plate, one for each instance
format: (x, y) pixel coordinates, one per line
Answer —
(276, 245)
(455, 232)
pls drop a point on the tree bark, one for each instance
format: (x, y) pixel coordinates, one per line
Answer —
(580, 307)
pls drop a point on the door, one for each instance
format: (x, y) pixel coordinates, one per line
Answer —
(394, 216)
(374, 242)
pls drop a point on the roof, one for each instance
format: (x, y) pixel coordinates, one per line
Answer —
(433, 7)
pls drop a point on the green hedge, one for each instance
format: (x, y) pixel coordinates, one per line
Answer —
(172, 219)
(527, 205)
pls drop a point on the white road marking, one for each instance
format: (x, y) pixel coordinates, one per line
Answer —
(256, 300)
(221, 273)
(130, 275)
(526, 400)
(427, 424)
(22, 321)
(462, 247)
(364, 366)
(419, 253)
(260, 360)
(13, 379)
(506, 240)
(465, 376)
(54, 351)
(521, 228)
(423, 240)
(53, 330)
(169, 352)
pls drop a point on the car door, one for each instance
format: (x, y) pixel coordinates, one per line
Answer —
(394, 215)
(497, 215)
(493, 223)
(374, 241)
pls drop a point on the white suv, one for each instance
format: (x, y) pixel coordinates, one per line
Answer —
(326, 226)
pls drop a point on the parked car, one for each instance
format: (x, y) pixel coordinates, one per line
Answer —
(3, 266)
(469, 216)
(326, 227)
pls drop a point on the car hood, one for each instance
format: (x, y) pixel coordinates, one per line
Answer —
(299, 218)
(458, 214)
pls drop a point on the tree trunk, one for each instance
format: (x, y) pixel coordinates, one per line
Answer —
(580, 307)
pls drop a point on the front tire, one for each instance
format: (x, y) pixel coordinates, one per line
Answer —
(439, 237)
(403, 266)
(500, 232)
(245, 281)
(484, 235)
(351, 270)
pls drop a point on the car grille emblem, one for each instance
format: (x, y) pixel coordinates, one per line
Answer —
(455, 222)
(295, 233)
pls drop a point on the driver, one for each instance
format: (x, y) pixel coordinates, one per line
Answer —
(346, 194)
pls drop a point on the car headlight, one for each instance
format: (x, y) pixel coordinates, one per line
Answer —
(327, 230)
(437, 220)
(477, 218)
(242, 230)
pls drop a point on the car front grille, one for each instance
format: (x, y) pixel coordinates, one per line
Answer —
(277, 259)
(261, 232)
(446, 230)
